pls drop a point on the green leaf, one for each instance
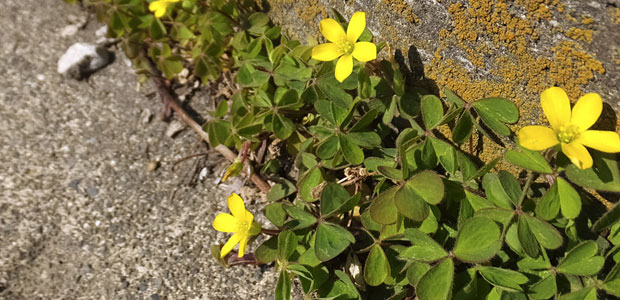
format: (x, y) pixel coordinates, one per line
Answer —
(222, 109)
(410, 204)
(428, 185)
(511, 186)
(527, 238)
(424, 248)
(282, 126)
(390, 172)
(612, 281)
(484, 170)
(391, 110)
(267, 251)
(275, 213)
(351, 151)
(588, 293)
(549, 205)
(311, 179)
(281, 190)
(432, 111)
(383, 210)
(349, 287)
(436, 284)
(545, 233)
(446, 154)
(415, 272)
(377, 266)
(283, 288)
(506, 279)
(331, 240)
(333, 91)
(500, 215)
(543, 289)
(331, 111)
(452, 97)
(478, 240)
(328, 147)
(218, 131)
(582, 260)
(570, 202)
(603, 176)
(495, 191)
(332, 198)
(528, 159)
(610, 218)
(301, 218)
(498, 108)
(287, 242)
(463, 129)
(365, 139)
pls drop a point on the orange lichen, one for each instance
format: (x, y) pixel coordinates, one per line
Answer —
(586, 20)
(402, 8)
(614, 14)
(490, 38)
(580, 34)
(310, 11)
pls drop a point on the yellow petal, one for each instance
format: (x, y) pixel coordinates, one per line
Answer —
(332, 30)
(578, 154)
(556, 106)
(344, 67)
(160, 12)
(154, 6)
(242, 245)
(225, 223)
(586, 111)
(537, 137)
(326, 52)
(235, 204)
(249, 218)
(365, 51)
(230, 244)
(356, 26)
(606, 141)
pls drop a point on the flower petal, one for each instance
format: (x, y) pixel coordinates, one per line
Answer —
(556, 106)
(249, 218)
(235, 204)
(586, 111)
(344, 67)
(332, 30)
(160, 12)
(365, 51)
(230, 244)
(326, 52)
(356, 26)
(155, 5)
(225, 223)
(537, 137)
(243, 243)
(606, 141)
(578, 154)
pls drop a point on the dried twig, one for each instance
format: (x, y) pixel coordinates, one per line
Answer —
(172, 103)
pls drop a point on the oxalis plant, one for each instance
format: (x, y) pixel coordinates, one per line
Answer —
(377, 194)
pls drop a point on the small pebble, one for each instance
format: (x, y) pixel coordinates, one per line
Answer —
(152, 166)
(174, 128)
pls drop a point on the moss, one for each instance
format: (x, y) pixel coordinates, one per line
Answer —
(580, 34)
(402, 8)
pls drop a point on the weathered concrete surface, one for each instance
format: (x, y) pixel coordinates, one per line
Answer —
(483, 48)
(80, 215)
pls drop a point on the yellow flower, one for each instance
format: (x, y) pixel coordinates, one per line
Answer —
(570, 129)
(344, 45)
(160, 6)
(241, 222)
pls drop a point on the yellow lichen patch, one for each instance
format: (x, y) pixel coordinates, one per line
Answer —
(402, 8)
(572, 67)
(580, 34)
(310, 11)
(488, 52)
(614, 14)
(586, 20)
